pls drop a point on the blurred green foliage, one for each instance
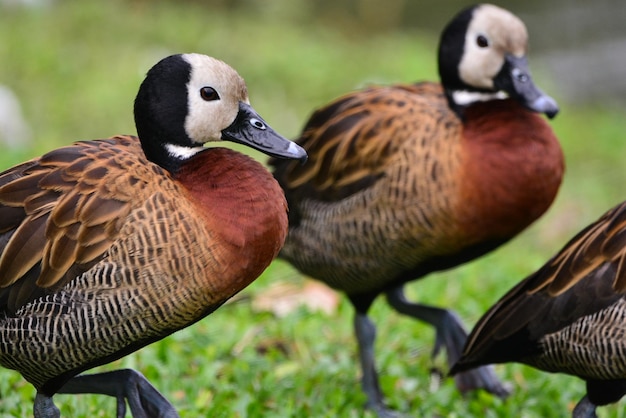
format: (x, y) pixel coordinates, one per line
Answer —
(76, 66)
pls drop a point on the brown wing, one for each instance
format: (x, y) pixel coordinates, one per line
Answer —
(61, 212)
(601, 242)
(351, 140)
(588, 274)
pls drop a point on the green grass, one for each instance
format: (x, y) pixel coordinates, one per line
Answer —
(77, 65)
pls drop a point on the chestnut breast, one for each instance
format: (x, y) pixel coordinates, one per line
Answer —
(243, 209)
(512, 168)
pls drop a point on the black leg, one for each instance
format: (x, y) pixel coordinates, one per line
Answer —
(44, 407)
(125, 385)
(450, 335)
(599, 393)
(365, 331)
(584, 409)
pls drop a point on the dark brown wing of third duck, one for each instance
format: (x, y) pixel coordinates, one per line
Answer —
(568, 317)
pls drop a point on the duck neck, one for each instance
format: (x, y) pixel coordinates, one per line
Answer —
(158, 154)
(164, 152)
(461, 99)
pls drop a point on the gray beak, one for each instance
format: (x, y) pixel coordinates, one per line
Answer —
(515, 79)
(251, 130)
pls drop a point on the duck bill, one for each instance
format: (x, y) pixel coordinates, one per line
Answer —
(251, 130)
(515, 79)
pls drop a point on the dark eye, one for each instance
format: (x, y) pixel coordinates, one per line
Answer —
(209, 94)
(482, 41)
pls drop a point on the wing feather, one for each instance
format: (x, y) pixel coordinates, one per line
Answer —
(23, 250)
(587, 275)
(352, 140)
(60, 213)
(601, 242)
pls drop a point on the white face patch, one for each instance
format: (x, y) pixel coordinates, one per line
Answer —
(504, 34)
(206, 119)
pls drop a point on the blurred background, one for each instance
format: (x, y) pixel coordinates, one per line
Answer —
(69, 70)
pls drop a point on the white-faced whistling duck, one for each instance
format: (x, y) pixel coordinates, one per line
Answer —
(405, 180)
(567, 317)
(109, 245)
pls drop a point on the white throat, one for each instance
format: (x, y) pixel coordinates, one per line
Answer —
(182, 153)
(465, 98)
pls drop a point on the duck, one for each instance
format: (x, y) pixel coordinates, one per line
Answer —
(409, 179)
(109, 245)
(567, 317)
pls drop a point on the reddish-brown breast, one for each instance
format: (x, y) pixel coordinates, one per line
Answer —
(244, 211)
(512, 169)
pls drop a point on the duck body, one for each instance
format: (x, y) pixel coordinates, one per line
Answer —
(224, 209)
(109, 245)
(409, 179)
(435, 192)
(567, 317)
